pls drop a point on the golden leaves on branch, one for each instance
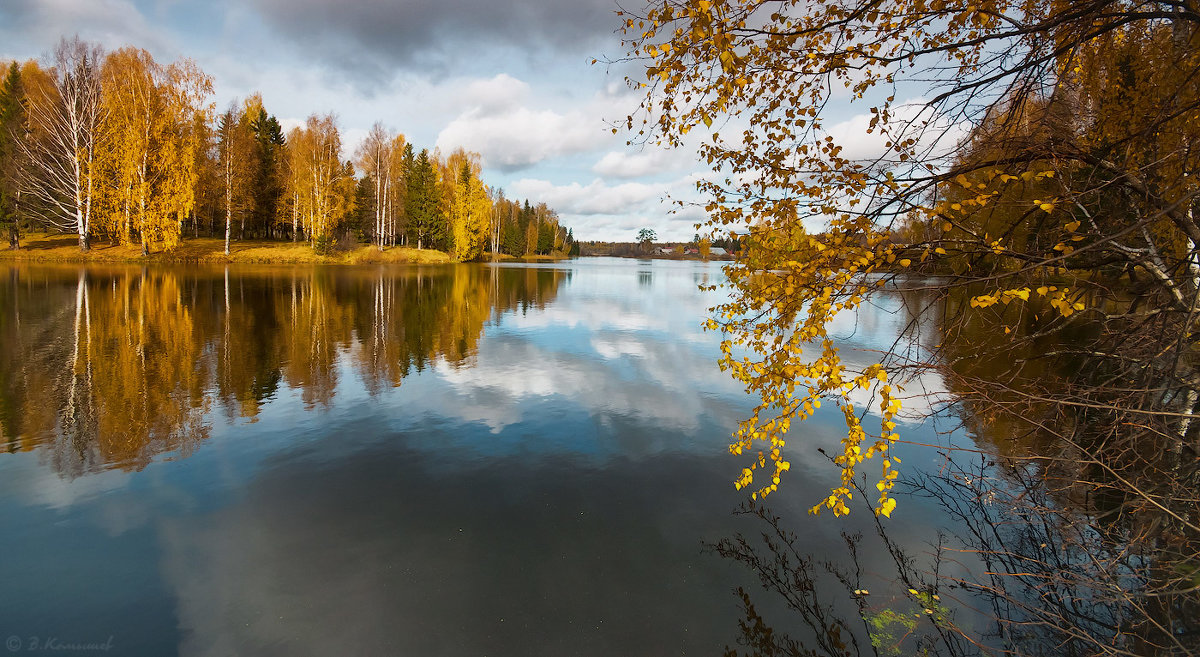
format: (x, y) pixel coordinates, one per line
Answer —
(825, 229)
(320, 184)
(147, 154)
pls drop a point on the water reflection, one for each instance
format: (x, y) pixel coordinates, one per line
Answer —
(110, 367)
(503, 460)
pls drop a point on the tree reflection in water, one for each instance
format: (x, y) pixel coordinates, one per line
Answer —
(1022, 575)
(1075, 532)
(110, 367)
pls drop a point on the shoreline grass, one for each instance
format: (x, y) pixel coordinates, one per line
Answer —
(54, 247)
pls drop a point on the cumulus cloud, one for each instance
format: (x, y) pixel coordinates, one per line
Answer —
(597, 197)
(518, 137)
(498, 94)
(649, 162)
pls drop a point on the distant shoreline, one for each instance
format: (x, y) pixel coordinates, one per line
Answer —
(665, 256)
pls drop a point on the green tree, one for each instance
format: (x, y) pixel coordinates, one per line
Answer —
(423, 202)
(645, 238)
(12, 132)
(269, 144)
(361, 219)
(545, 242)
(572, 245)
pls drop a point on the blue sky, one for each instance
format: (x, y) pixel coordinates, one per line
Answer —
(512, 81)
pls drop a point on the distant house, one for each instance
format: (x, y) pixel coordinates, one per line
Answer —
(717, 251)
(664, 250)
(691, 251)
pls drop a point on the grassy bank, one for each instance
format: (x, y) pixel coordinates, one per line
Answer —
(40, 247)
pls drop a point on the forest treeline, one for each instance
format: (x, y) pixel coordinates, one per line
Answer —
(119, 147)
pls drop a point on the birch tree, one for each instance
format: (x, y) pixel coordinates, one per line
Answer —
(147, 165)
(322, 191)
(375, 156)
(1110, 90)
(470, 208)
(64, 115)
(236, 160)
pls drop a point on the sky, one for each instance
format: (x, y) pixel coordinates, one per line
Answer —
(512, 81)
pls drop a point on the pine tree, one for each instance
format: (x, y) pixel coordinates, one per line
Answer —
(268, 176)
(425, 220)
(12, 131)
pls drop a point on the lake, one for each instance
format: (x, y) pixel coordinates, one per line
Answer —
(509, 459)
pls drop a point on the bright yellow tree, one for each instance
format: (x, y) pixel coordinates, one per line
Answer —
(829, 226)
(470, 207)
(320, 184)
(148, 156)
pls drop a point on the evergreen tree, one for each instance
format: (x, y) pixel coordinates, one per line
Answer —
(268, 181)
(423, 200)
(545, 239)
(12, 129)
(360, 221)
(572, 245)
(512, 238)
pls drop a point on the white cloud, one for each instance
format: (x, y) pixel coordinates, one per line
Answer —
(519, 137)
(46, 485)
(602, 211)
(597, 197)
(649, 162)
(912, 118)
(499, 94)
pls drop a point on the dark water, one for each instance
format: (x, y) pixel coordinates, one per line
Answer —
(461, 460)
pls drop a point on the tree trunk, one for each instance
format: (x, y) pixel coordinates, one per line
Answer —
(228, 200)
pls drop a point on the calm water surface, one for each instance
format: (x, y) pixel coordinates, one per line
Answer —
(458, 460)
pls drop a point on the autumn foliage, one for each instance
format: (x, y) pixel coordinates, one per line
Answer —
(120, 147)
(1040, 154)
